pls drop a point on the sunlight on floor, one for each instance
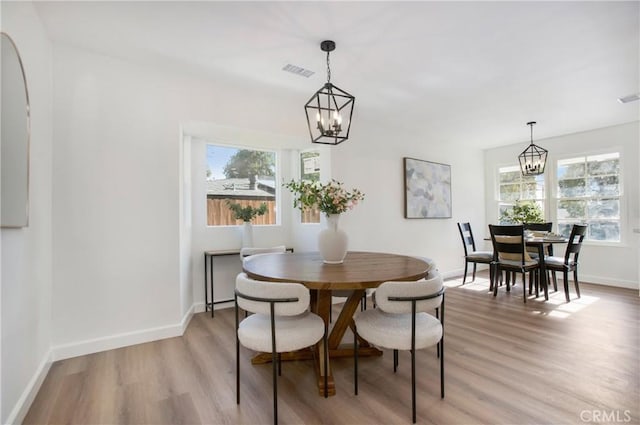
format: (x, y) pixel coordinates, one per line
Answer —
(556, 306)
(562, 309)
(481, 284)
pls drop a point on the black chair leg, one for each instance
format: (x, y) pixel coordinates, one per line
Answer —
(566, 285)
(275, 387)
(237, 373)
(491, 277)
(473, 277)
(442, 366)
(575, 282)
(464, 277)
(395, 361)
(524, 287)
(355, 360)
(555, 281)
(326, 361)
(413, 384)
(237, 356)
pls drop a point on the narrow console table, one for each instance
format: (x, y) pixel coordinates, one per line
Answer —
(208, 277)
(209, 302)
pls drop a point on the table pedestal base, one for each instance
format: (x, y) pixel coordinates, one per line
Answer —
(308, 354)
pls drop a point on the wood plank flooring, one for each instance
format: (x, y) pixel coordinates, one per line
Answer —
(505, 363)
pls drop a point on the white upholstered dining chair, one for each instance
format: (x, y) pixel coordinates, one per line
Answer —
(281, 322)
(401, 322)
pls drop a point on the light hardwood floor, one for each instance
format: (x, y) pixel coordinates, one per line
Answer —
(505, 363)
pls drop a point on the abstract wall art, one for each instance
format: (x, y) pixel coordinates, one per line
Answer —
(427, 189)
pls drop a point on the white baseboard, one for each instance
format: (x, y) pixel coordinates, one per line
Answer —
(606, 281)
(90, 346)
(96, 345)
(596, 280)
(186, 319)
(23, 404)
(459, 272)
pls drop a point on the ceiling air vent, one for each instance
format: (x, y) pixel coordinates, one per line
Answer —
(630, 98)
(298, 70)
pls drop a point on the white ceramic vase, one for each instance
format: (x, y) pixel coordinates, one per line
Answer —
(332, 242)
(247, 235)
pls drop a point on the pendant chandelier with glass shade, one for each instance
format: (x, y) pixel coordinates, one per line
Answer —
(330, 109)
(534, 158)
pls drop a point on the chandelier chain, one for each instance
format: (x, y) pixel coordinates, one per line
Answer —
(531, 124)
(328, 69)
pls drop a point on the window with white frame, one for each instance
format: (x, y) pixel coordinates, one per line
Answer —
(513, 186)
(310, 171)
(240, 176)
(588, 192)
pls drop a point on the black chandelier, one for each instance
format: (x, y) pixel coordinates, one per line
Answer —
(330, 109)
(534, 158)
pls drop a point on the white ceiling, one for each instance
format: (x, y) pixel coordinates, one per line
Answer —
(472, 71)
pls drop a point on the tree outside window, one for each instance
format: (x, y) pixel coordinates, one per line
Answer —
(242, 176)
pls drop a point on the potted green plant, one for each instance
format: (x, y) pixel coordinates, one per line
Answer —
(246, 214)
(522, 212)
(331, 199)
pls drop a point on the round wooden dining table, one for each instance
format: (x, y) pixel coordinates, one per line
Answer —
(359, 271)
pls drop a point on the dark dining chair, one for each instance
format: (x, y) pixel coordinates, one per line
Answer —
(547, 248)
(471, 255)
(539, 227)
(569, 262)
(510, 255)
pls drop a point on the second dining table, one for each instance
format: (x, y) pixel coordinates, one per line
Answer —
(358, 272)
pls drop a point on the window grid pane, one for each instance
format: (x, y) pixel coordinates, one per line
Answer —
(310, 171)
(589, 193)
(514, 187)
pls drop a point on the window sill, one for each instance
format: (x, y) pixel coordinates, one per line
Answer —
(606, 244)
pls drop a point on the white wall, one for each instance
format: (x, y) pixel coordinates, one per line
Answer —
(26, 253)
(115, 209)
(599, 263)
(119, 193)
